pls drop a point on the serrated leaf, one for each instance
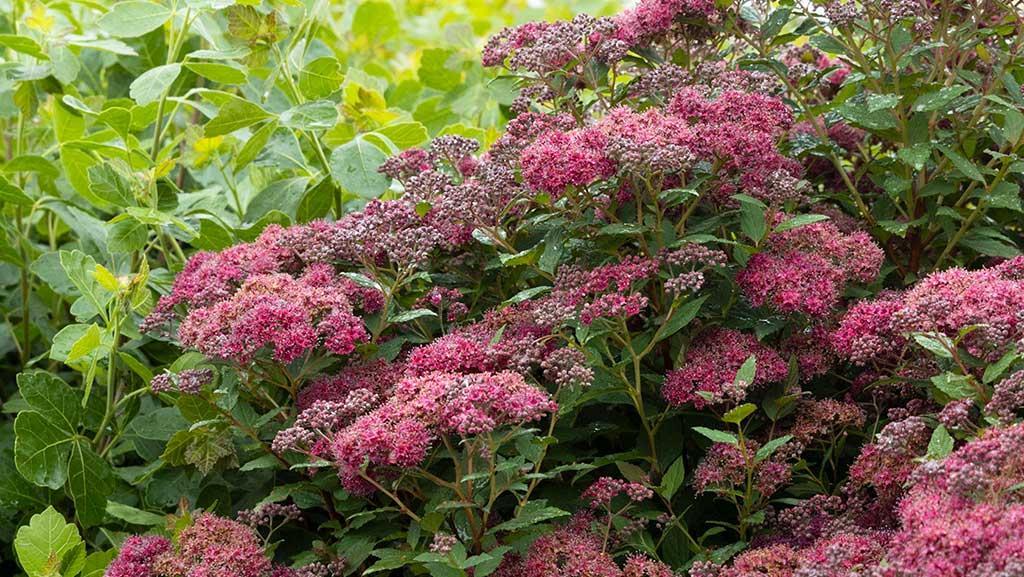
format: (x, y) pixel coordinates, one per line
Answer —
(49, 546)
(320, 77)
(41, 450)
(965, 166)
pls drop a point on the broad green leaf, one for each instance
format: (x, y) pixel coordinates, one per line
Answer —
(320, 77)
(437, 69)
(12, 194)
(317, 115)
(354, 167)
(152, 84)
(90, 481)
(747, 371)
(79, 267)
(52, 398)
(50, 546)
(41, 450)
(915, 156)
(109, 185)
(134, 18)
(233, 115)
(404, 134)
(85, 345)
(375, 19)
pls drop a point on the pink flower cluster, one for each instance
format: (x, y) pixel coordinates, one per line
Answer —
(290, 315)
(708, 377)
(725, 467)
(423, 408)
(735, 132)
(210, 546)
(650, 19)
(944, 302)
(576, 550)
(962, 517)
(601, 492)
(806, 269)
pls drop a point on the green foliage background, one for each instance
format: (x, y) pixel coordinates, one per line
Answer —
(108, 178)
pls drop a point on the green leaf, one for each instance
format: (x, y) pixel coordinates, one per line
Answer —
(219, 72)
(962, 164)
(52, 398)
(317, 115)
(404, 134)
(752, 220)
(79, 267)
(406, 316)
(955, 386)
(152, 84)
(680, 318)
(526, 294)
(110, 186)
(532, 513)
(995, 370)
(320, 77)
(915, 156)
(85, 345)
(737, 414)
(768, 448)
(747, 371)
(233, 115)
(354, 167)
(41, 450)
(799, 220)
(937, 344)
(437, 71)
(23, 44)
(938, 99)
(941, 444)
(718, 436)
(12, 194)
(254, 145)
(375, 19)
(90, 481)
(50, 546)
(135, 516)
(134, 18)
(673, 479)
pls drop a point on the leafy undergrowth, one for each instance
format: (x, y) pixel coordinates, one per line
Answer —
(700, 288)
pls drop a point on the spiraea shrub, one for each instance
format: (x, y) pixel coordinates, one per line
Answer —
(695, 287)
